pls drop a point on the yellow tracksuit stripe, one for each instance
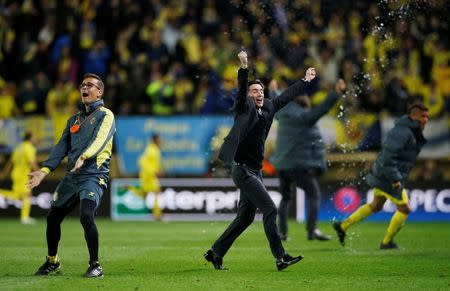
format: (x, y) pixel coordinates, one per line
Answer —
(105, 153)
(104, 134)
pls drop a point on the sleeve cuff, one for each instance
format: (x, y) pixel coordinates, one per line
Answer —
(45, 170)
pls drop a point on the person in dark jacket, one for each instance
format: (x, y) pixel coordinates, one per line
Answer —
(243, 150)
(87, 142)
(390, 171)
(300, 157)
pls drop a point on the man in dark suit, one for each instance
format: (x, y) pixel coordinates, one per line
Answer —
(243, 150)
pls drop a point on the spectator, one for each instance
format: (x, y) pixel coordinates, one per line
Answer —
(365, 40)
(96, 59)
(7, 103)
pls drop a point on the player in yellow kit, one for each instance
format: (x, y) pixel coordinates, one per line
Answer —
(23, 160)
(149, 170)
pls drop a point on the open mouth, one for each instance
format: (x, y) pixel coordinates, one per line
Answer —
(85, 94)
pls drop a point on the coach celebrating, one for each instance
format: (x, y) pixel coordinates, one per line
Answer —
(87, 142)
(243, 149)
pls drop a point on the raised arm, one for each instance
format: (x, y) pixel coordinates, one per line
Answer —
(240, 103)
(298, 88)
(313, 115)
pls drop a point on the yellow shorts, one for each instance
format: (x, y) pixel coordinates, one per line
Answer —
(150, 184)
(9, 194)
(19, 187)
(19, 190)
(403, 201)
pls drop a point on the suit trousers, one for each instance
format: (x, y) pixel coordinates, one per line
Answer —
(305, 179)
(253, 195)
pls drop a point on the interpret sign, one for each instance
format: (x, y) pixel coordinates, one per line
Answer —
(181, 199)
(217, 199)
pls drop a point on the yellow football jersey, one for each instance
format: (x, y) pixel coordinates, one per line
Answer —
(22, 158)
(149, 162)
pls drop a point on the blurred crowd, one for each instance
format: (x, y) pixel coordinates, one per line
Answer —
(165, 57)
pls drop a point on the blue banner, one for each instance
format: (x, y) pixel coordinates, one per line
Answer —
(187, 142)
(427, 204)
(12, 132)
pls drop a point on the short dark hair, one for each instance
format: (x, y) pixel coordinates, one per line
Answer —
(256, 81)
(28, 135)
(155, 137)
(418, 105)
(95, 76)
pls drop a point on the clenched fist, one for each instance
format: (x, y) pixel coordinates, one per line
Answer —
(243, 59)
(310, 74)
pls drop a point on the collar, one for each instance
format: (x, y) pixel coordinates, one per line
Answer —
(405, 120)
(91, 107)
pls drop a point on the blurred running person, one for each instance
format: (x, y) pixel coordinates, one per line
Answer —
(23, 160)
(390, 171)
(150, 170)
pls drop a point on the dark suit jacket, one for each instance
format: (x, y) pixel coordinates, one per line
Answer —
(299, 142)
(246, 114)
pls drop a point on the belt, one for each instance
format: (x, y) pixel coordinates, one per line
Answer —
(247, 166)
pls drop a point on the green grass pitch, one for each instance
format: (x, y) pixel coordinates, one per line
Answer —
(168, 256)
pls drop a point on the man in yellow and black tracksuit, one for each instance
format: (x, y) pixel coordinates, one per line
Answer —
(87, 142)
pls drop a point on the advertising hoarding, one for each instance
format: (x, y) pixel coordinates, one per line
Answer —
(217, 199)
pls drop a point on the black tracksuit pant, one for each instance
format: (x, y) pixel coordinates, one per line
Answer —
(253, 195)
(305, 179)
(56, 216)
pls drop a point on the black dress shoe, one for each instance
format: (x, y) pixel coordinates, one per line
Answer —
(217, 261)
(318, 235)
(286, 261)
